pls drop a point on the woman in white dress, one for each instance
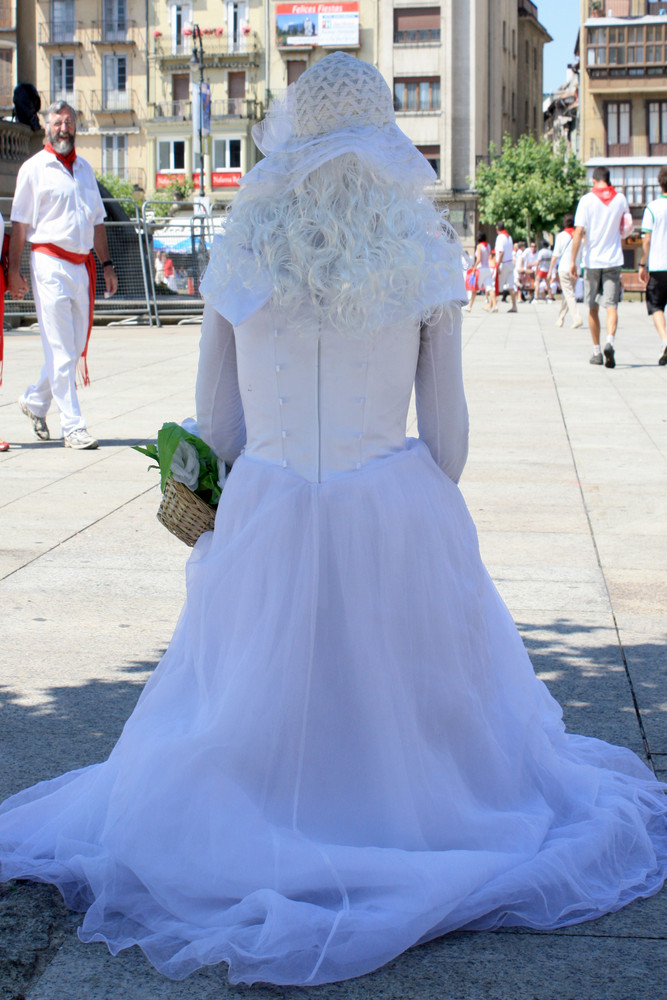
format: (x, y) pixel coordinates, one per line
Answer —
(345, 750)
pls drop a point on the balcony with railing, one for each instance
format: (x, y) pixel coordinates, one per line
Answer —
(60, 32)
(114, 31)
(171, 111)
(134, 175)
(234, 107)
(417, 36)
(527, 9)
(110, 101)
(215, 46)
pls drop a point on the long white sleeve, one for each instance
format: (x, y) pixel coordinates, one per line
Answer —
(442, 414)
(219, 408)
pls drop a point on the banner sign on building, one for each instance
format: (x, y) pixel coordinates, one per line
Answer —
(326, 24)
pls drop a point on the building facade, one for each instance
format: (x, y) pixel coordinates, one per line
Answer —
(623, 94)
(138, 71)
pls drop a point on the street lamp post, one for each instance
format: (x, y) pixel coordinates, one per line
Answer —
(197, 59)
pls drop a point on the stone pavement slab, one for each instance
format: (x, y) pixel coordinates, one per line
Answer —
(566, 483)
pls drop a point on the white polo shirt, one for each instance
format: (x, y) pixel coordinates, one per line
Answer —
(602, 230)
(504, 247)
(654, 221)
(57, 206)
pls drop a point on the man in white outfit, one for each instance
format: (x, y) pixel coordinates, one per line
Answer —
(598, 220)
(561, 262)
(505, 263)
(58, 208)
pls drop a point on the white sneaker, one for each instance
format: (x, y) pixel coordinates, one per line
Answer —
(577, 323)
(39, 428)
(467, 309)
(559, 321)
(80, 439)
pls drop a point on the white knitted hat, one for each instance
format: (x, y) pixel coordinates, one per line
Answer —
(340, 105)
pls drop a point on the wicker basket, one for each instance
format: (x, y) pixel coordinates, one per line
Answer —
(183, 513)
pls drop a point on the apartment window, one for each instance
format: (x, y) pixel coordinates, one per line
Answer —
(237, 17)
(115, 82)
(630, 182)
(417, 94)
(525, 115)
(417, 24)
(226, 154)
(114, 155)
(62, 79)
(504, 100)
(535, 59)
(115, 20)
(62, 20)
(432, 154)
(180, 17)
(617, 117)
(655, 48)
(514, 43)
(513, 106)
(657, 127)
(504, 36)
(535, 120)
(527, 53)
(171, 155)
(628, 50)
(6, 79)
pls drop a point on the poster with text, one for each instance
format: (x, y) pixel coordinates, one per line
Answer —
(326, 24)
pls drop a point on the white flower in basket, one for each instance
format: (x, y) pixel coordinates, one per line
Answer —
(185, 465)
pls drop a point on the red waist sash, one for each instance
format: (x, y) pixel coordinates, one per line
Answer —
(77, 258)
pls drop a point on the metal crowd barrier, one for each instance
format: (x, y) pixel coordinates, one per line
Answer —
(132, 303)
(177, 247)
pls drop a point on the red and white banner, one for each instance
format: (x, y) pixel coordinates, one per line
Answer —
(219, 179)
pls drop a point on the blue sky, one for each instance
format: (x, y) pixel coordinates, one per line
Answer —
(561, 19)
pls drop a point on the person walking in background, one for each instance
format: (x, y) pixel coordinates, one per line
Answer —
(597, 222)
(57, 206)
(518, 269)
(544, 255)
(653, 264)
(483, 275)
(560, 264)
(528, 265)
(505, 264)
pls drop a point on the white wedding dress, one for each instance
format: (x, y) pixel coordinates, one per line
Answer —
(345, 750)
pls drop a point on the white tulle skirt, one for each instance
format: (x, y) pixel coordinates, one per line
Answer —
(344, 752)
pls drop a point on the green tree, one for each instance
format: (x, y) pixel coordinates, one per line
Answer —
(528, 186)
(122, 191)
(166, 201)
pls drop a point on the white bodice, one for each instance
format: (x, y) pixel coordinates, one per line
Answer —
(320, 402)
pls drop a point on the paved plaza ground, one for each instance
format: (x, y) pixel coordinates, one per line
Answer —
(567, 483)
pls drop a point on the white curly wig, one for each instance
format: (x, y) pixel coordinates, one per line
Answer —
(336, 213)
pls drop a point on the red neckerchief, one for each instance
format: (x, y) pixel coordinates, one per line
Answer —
(605, 194)
(503, 232)
(66, 160)
(569, 230)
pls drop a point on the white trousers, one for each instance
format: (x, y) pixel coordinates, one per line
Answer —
(568, 301)
(60, 290)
